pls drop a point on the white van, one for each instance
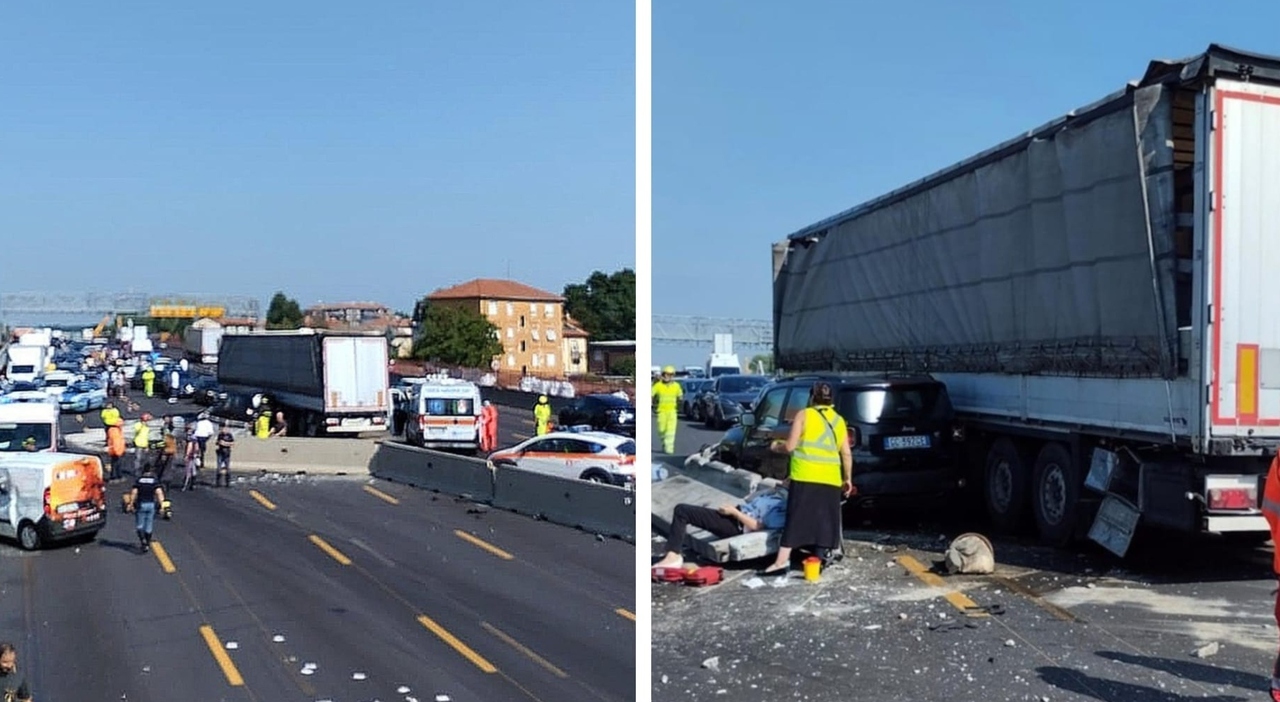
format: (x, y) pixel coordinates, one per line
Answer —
(20, 421)
(48, 497)
(444, 413)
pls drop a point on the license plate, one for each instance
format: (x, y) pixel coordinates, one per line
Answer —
(356, 422)
(918, 441)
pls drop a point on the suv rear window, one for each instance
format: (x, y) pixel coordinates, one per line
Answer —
(908, 403)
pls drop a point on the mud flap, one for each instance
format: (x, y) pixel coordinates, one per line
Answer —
(1115, 524)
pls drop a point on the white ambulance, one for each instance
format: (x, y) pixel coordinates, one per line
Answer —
(444, 413)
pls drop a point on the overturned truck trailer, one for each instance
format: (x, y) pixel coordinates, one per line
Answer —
(1093, 294)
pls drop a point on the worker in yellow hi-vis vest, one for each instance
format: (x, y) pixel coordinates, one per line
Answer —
(667, 394)
(542, 415)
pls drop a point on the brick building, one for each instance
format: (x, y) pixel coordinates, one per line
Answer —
(530, 322)
(575, 347)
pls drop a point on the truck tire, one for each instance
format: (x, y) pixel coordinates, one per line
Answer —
(1005, 485)
(1055, 494)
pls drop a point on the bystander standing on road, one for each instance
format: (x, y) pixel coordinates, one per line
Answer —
(13, 684)
(225, 441)
(280, 427)
(202, 433)
(147, 494)
(191, 466)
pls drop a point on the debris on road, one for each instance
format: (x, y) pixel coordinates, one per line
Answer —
(712, 664)
(1207, 650)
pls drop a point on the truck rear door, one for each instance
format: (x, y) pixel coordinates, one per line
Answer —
(356, 374)
(1244, 260)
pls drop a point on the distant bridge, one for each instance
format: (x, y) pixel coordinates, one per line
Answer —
(53, 306)
(701, 331)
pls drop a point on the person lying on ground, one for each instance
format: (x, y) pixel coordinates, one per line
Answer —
(763, 509)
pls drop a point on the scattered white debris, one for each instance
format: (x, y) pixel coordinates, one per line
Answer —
(358, 676)
(872, 627)
(442, 698)
(753, 583)
(146, 669)
(902, 615)
(232, 645)
(1209, 649)
(403, 689)
(712, 664)
(664, 680)
(278, 638)
(307, 671)
(1010, 643)
(780, 582)
(722, 691)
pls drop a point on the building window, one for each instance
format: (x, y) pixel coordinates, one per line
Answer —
(551, 335)
(537, 361)
(534, 334)
(493, 309)
(511, 360)
(511, 333)
(522, 346)
(511, 309)
(551, 360)
(522, 321)
(533, 309)
(550, 311)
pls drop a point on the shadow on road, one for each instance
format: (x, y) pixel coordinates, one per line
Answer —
(1190, 670)
(1112, 691)
(130, 546)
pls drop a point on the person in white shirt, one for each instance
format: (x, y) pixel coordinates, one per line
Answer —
(175, 380)
(202, 433)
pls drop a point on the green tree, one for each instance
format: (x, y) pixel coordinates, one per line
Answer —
(456, 336)
(763, 360)
(283, 312)
(605, 305)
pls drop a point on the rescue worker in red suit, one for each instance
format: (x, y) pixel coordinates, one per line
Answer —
(490, 414)
(1271, 510)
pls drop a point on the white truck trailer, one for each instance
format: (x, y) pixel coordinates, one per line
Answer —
(201, 343)
(326, 383)
(1094, 295)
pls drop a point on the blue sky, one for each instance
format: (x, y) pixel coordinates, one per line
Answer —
(327, 149)
(769, 116)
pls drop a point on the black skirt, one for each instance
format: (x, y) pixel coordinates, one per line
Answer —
(813, 516)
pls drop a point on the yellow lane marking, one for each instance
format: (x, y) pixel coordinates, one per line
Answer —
(475, 541)
(166, 564)
(475, 658)
(261, 499)
(1053, 609)
(524, 649)
(381, 495)
(624, 613)
(334, 553)
(957, 599)
(220, 655)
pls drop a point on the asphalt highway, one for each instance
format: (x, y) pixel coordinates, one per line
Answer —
(1181, 618)
(325, 589)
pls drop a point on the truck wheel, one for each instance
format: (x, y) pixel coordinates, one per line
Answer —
(29, 536)
(1005, 485)
(1055, 494)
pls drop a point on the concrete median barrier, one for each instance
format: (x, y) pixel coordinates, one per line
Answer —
(433, 470)
(603, 509)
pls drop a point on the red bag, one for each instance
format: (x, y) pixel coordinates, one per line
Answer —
(706, 575)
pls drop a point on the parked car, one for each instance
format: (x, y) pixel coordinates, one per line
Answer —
(607, 413)
(693, 388)
(83, 396)
(594, 456)
(902, 430)
(23, 391)
(728, 397)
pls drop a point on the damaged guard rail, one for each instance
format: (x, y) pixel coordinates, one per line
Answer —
(602, 509)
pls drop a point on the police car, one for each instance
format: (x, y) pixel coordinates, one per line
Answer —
(586, 455)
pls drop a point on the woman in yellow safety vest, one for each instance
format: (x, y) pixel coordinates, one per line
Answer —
(821, 472)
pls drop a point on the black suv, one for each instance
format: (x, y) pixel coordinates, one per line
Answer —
(903, 432)
(603, 413)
